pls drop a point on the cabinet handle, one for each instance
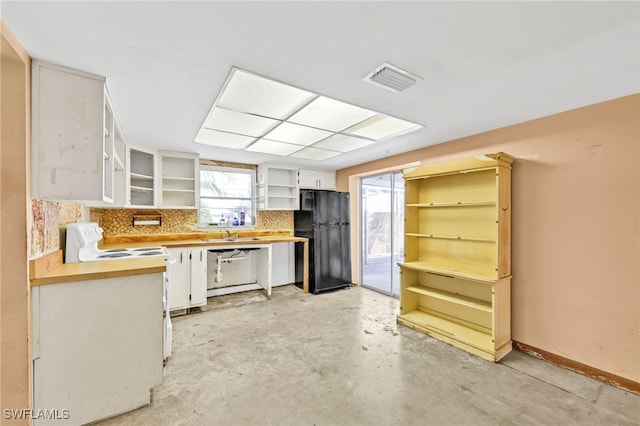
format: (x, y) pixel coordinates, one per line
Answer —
(180, 257)
(200, 255)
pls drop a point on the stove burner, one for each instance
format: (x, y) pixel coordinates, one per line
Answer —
(151, 253)
(146, 249)
(111, 255)
(116, 250)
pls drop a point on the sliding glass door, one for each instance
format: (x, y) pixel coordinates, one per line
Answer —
(381, 231)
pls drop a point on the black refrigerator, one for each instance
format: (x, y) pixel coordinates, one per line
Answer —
(324, 219)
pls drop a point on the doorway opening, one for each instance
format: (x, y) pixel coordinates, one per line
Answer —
(381, 231)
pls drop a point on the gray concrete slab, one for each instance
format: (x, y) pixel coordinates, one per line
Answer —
(341, 359)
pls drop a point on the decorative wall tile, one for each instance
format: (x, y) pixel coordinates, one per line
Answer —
(117, 222)
(49, 221)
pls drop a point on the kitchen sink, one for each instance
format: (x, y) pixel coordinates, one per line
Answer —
(217, 240)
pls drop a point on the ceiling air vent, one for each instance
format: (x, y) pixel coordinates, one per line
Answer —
(392, 78)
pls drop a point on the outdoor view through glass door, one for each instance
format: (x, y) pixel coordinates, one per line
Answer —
(381, 230)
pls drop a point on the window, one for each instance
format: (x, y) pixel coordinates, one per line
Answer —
(226, 196)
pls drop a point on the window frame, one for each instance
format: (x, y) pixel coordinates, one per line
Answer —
(249, 171)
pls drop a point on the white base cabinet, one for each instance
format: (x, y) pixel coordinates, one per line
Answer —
(187, 278)
(234, 269)
(97, 346)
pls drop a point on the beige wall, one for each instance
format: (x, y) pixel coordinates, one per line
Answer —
(576, 229)
(15, 356)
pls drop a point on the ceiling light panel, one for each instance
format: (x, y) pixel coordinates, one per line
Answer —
(343, 143)
(296, 134)
(311, 153)
(249, 93)
(382, 126)
(326, 113)
(237, 122)
(223, 139)
(273, 147)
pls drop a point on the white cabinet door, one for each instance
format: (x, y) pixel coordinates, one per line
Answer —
(317, 179)
(178, 274)
(69, 158)
(282, 263)
(198, 258)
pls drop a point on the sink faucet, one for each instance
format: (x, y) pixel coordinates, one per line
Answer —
(228, 233)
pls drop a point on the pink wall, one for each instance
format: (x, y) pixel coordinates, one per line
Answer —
(576, 229)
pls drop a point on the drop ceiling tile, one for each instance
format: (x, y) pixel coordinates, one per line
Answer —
(296, 134)
(223, 139)
(250, 93)
(382, 126)
(327, 113)
(310, 153)
(343, 143)
(237, 122)
(273, 147)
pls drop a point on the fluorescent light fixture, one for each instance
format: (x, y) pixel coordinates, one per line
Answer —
(273, 147)
(343, 143)
(326, 113)
(237, 122)
(250, 93)
(223, 139)
(382, 126)
(310, 153)
(297, 134)
(254, 113)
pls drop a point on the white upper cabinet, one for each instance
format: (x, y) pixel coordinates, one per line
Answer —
(142, 172)
(180, 180)
(277, 188)
(72, 135)
(317, 179)
(119, 166)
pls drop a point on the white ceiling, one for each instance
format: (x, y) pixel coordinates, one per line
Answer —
(485, 64)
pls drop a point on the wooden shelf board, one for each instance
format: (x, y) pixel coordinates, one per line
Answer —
(140, 176)
(480, 305)
(451, 237)
(450, 329)
(454, 204)
(178, 190)
(178, 178)
(470, 275)
(141, 188)
(282, 185)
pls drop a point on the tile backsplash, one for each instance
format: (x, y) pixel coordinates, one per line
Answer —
(49, 221)
(176, 221)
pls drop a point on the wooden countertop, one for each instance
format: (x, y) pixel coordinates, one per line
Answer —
(82, 271)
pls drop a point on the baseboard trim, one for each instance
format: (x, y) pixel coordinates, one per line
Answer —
(578, 367)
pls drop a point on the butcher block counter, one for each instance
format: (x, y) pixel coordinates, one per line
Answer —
(83, 271)
(51, 270)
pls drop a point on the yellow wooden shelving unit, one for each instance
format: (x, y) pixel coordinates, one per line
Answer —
(456, 277)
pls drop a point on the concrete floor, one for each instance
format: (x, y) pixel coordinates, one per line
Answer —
(341, 359)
